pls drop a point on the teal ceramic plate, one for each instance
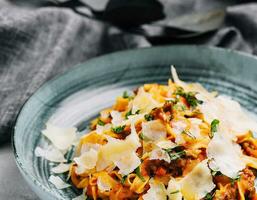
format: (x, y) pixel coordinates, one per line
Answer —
(78, 95)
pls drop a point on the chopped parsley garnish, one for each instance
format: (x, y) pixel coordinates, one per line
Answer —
(189, 134)
(149, 117)
(208, 196)
(123, 179)
(128, 114)
(214, 127)
(125, 95)
(189, 96)
(118, 129)
(237, 178)
(175, 155)
(175, 192)
(138, 173)
(137, 112)
(100, 122)
(143, 137)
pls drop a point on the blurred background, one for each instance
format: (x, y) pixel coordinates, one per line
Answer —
(40, 39)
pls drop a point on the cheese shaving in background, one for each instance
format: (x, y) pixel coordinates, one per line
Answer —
(197, 183)
(127, 162)
(165, 144)
(144, 102)
(58, 182)
(117, 118)
(194, 129)
(61, 138)
(101, 129)
(154, 130)
(176, 78)
(86, 161)
(51, 154)
(159, 154)
(157, 191)
(61, 168)
(122, 152)
(225, 155)
(173, 190)
(229, 113)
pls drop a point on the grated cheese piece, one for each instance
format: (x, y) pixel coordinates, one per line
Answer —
(225, 155)
(51, 154)
(197, 183)
(58, 182)
(154, 130)
(157, 191)
(61, 138)
(61, 168)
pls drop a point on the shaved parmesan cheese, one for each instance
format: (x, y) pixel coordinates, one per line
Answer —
(51, 154)
(173, 190)
(61, 138)
(197, 183)
(225, 155)
(127, 163)
(230, 114)
(133, 119)
(117, 118)
(61, 168)
(159, 154)
(178, 126)
(87, 146)
(194, 128)
(104, 183)
(121, 152)
(101, 129)
(144, 102)
(80, 197)
(157, 191)
(176, 79)
(154, 130)
(58, 182)
(86, 161)
(165, 144)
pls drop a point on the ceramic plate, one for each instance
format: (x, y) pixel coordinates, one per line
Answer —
(75, 97)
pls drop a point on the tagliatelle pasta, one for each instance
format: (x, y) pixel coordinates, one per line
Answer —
(175, 141)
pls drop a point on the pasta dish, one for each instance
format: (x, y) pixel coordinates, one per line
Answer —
(162, 141)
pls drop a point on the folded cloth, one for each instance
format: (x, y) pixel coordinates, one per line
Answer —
(39, 43)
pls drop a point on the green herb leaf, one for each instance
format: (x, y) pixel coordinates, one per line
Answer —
(138, 173)
(175, 155)
(143, 137)
(137, 112)
(237, 178)
(128, 114)
(149, 117)
(175, 192)
(189, 134)
(214, 126)
(100, 122)
(189, 96)
(125, 95)
(208, 197)
(123, 179)
(118, 129)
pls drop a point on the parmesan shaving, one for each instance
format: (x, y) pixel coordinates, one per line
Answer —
(51, 154)
(157, 191)
(225, 156)
(61, 168)
(154, 130)
(197, 183)
(144, 102)
(173, 190)
(58, 182)
(61, 138)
